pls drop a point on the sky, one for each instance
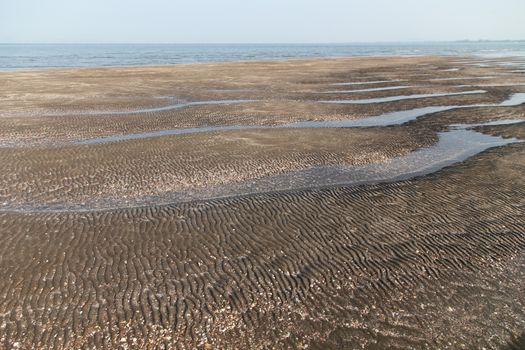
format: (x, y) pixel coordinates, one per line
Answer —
(259, 21)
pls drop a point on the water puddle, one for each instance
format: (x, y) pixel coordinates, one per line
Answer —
(503, 64)
(367, 90)
(490, 123)
(514, 100)
(368, 82)
(405, 97)
(463, 78)
(512, 64)
(469, 62)
(490, 85)
(180, 131)
(154, 109)
(220, 90)
(455, 145)
(385, 119)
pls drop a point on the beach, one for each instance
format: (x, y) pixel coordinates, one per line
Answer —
(320, 203)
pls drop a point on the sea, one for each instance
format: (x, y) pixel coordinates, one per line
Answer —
(37, 56)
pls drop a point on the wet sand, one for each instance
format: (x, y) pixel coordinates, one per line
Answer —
(99, 249)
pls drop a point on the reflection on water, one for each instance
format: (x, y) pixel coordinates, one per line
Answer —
(367, 82)
(490, 123)
(15, 56)
(462, 78)
(385, 119)
(453, 146)
(180, 131)
(154, 109)
(367, 90)
(401, 98)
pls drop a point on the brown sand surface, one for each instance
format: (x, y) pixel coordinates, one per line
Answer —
(128, 171)
(505, 130)
(282, 92)
(436, 261)
(433, 262)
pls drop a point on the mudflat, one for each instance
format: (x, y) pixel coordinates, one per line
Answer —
(261, 205)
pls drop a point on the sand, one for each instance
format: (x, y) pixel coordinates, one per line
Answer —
(435, 261)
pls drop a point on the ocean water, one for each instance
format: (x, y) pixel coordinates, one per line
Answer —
(24, 56)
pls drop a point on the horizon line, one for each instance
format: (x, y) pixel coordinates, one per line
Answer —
(269, 43)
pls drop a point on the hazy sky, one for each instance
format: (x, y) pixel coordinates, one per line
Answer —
(256, 21)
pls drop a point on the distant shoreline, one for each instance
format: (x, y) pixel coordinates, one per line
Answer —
(224, 62)
(276, 43)
(22, 56)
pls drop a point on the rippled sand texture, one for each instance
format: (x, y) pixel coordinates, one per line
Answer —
(105, 175)
(91, 256)
(57, 106)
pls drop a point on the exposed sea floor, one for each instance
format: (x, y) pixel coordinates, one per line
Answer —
(229, 206)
